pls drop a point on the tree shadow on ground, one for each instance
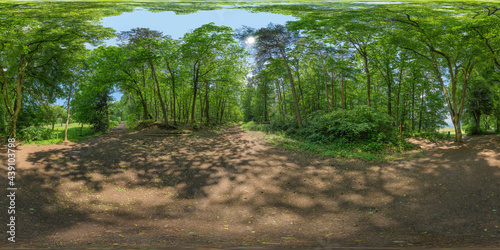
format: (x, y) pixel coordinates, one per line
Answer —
(231, 189)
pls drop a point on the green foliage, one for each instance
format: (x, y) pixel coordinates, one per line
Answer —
(257, 127)
(35, 133)
(433, 136)
(339, 133)
(90, 105)
(395, 58)
(131, 120)
(195, 125)
(75, 134)
(359, 124)
(470, 129)
(113, 123)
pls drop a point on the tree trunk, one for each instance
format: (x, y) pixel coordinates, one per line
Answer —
(155, 105)
(145, 96)
(222, 109)
(196, 71)
(397, 99)
(295, 103)
(266, 118)
(421, 110)
(477, 120)
(389, 95)
(455, 111)
(18, 100)
(173, 90)
(69, 100)
(207, 103)
(334, 98)
(413, 106)
(144, 103)
(201, 107)
(163, 108)
(279, 96)
(326, 89)
(498, 122)
(283, 92)
(343, 94)
(302, 96)
(367, 71)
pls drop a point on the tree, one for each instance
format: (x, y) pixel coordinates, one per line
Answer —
(358, 28)
(33, 46)
(447, 44)
(202, 48)
(90, 104)
(275, 41)
(146, 44)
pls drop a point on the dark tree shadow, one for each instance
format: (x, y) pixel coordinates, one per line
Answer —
(233, 186)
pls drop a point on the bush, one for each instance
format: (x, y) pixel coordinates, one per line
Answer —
(31, 134)
(359, 124)
(195, 125)
(470, 129)
(362, 127)
(131, 121)
(113, 123)
(257, 127)
(287, 123)
(431, 135)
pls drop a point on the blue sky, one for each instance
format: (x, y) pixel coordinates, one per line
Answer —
(177, 25)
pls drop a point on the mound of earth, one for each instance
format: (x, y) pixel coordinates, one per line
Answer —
(155, 124)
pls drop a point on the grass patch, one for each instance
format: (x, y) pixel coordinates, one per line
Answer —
(74, 130)
(449, 130)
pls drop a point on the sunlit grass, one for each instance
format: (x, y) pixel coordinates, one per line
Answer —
(450, 130)
(75, 134)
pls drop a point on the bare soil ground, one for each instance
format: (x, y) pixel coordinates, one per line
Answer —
(234, 189)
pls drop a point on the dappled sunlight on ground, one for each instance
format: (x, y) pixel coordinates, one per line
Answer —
(233, 189)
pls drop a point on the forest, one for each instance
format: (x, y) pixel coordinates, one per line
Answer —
(408, 66)
(319, 125)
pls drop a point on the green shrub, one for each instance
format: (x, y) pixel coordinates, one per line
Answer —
(131, 120)
(373, 146)
(195, 125)
(359, 124)
(113, 123)
(31, 134)
(287, 123)
(430, 135)
(360, 128)
(256, 127)
(470, 129)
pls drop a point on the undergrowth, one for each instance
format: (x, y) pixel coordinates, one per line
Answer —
(46, 136)
(359, 133)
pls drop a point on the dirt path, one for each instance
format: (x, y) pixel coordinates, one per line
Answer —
(120, 128)
(233, 189)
